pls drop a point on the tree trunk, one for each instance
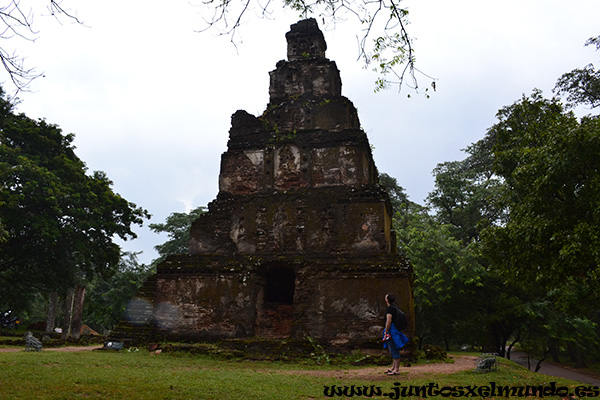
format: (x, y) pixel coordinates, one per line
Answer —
(539, 364)
(510, 347)
(502, 347)
(77, 312)
(540, 361)
(66, 328)
(52, 306)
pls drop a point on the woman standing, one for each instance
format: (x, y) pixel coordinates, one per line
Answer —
(393, 338)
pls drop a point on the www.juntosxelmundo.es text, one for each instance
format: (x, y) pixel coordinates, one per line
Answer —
(399, 390)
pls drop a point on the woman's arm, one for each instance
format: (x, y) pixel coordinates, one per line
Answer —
(388, 322)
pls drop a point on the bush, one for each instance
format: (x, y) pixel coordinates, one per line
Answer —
(433, 352)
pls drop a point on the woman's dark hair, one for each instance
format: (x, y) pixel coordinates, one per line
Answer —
(391, 298)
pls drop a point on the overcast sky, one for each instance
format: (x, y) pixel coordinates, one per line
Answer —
(150, 99)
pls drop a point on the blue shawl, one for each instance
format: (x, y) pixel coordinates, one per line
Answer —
(399, 338)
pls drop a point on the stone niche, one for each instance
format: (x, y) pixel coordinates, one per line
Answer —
(299, 240)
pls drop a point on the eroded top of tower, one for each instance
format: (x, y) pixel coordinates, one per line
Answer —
(307, 73)
(305, 40)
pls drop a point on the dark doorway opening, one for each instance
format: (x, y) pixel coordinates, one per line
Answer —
(275, 308)
(280, 285)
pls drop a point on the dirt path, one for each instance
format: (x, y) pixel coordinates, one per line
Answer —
(461, 363)
(66, 348)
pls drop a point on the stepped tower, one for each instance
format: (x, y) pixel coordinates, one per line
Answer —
(299, 239)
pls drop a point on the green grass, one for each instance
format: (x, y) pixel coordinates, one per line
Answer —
(139, 375)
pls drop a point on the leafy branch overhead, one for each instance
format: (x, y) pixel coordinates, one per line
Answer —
(582, 85)
(384, 43)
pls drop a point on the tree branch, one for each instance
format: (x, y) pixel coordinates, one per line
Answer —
(17, 23)
(392, 50)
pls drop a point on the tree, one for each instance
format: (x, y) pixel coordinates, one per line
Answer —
(524, 203)
(465, 199)
(398, 196)
(107, 297)
(549, 164)
(524, 206)
(443, 278)
(582, 85)
(16, 21)
(60, 221)
(177, 226)
(464, 195)
(446, 273)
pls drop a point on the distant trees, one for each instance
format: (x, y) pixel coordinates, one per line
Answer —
(177, 227)
(446, 275)
(107, 296)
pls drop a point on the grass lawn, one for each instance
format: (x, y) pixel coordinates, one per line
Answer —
(140, 375)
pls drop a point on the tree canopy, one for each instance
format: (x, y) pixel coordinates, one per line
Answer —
(59, 222)
(507, 242)
(107, 297)
(524, 204)
(177, 227)
(464, 194)
(549, 164)
(581, 85)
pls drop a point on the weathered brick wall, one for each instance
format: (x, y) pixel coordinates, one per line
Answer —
(337, 220)
(290, 166)
(335, 300)
(344, 303)
(205, 305)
